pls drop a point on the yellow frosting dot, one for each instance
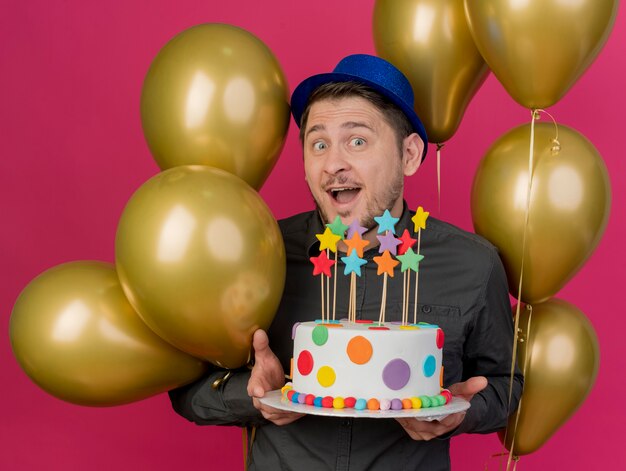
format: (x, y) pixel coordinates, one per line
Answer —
(416, 402)
(338, 403)
(409, 327)
(326, 376)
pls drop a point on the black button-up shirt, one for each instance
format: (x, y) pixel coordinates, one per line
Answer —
(462, 288)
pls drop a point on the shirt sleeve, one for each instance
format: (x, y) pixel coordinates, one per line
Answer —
(488, 353)
(228, 404)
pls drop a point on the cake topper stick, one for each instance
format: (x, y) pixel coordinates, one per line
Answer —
(335, 288)
(328, 241)
(353, 266)
(410, 261)
(407, 243)
(355, 244)
(338, 228)
(388, 245)
(419, 219)
(386, 264)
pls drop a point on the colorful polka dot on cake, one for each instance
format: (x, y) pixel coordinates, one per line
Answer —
(429, 366)
(326, 376)
(319, 335)
(359, 350)
(396, 374)
(440, 338)
(305, 362)
(338, 403)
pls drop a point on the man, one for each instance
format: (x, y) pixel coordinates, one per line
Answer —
(360, 138)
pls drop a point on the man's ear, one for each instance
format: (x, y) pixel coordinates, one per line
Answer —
(412, 149)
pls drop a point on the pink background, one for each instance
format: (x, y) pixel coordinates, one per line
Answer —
(72, 153)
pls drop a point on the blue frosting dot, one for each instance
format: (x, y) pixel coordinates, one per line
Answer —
(360, 404)
(317, 402)
(429, 366)
(294, 398)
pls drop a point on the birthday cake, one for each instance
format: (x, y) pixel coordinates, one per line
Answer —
(366, 364)
(361, 363)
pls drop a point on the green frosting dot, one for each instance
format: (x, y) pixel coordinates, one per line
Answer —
(426, 401)
(320, 335)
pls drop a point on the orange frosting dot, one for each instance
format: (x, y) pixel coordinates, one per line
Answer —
(373, 404)
(332, 326)
(359, 350)
(407, 404)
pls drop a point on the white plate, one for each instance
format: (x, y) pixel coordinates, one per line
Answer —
(274, 399)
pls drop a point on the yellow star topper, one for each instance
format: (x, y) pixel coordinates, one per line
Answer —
(328, 240)
(420, 218)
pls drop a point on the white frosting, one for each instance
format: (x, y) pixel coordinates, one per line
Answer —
(366, 380)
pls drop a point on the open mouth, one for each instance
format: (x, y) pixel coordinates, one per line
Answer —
(344, 195)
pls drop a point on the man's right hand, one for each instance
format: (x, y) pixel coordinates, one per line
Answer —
(267, 375)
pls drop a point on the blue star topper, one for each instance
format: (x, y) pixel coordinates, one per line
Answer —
(386, 222)
(353, 263)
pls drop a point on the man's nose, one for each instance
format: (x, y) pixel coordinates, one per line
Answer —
(336, 161)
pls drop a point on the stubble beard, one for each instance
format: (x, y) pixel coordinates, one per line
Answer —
(374, 207)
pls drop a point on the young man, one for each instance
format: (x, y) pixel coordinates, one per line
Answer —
(361, 138)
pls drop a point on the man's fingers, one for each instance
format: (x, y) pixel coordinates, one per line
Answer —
(470, 387)
(260, 343)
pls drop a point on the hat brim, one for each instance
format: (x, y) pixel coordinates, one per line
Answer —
(301, 94)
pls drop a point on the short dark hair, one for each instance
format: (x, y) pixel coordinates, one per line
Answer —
(335, 90)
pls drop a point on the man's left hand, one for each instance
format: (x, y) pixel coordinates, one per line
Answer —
(422, 430)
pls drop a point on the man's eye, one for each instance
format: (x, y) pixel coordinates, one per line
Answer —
(357, 141)
(319, 146)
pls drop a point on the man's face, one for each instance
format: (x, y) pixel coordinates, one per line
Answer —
(352, 162)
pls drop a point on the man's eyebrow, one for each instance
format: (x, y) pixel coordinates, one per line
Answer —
(346, 125)
(356, 124)
(314, 128)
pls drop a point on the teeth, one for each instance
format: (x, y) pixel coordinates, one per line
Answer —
(337, 190)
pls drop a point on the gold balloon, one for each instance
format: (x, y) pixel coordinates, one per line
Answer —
(76, 336)
(561, 356)
(538, 49)
(569, 206)
(430, 42)
(216, 95)
(202, 261)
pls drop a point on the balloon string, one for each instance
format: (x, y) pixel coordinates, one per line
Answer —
(247, 445)
(439, 147)
(534, 117)
(527, 359)
(496, 455)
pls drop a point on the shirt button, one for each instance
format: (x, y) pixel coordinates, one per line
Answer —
(426, 309)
